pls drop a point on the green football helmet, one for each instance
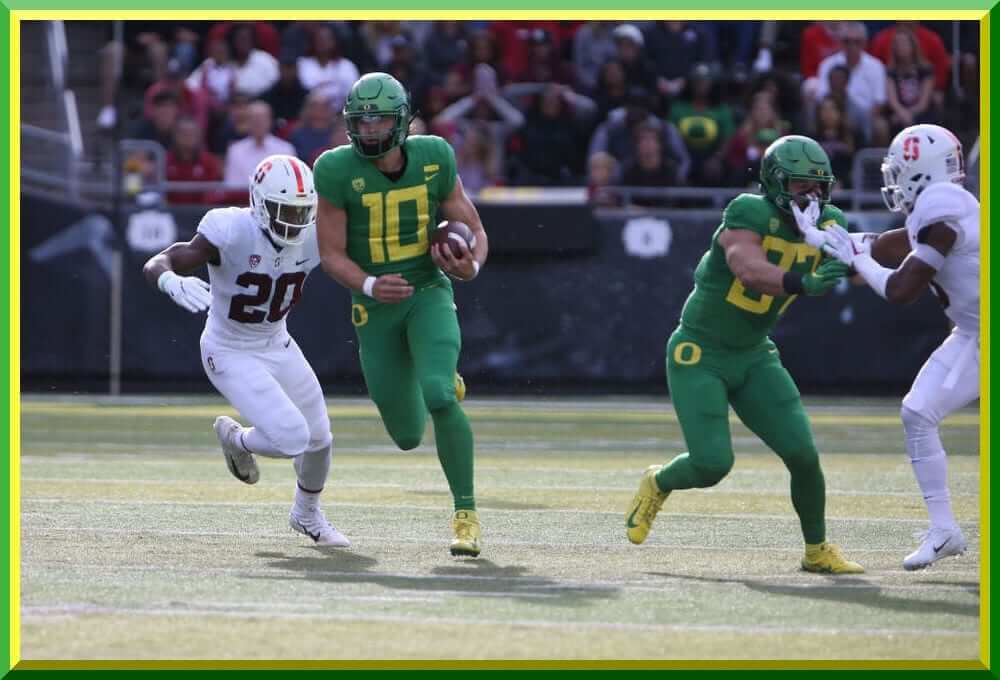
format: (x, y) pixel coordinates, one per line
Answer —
(377, 96)
(794, 157)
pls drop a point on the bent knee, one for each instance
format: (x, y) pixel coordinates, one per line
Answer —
(319, 440)
(438, 394)
(915, 421)
(407, 442)
(712, 472)
(290, 439)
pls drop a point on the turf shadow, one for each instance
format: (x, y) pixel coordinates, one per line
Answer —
(479, 577)
(843, 589)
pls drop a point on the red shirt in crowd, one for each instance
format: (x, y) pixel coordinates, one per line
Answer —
(817, 44)
(205, 168)
(930, 44)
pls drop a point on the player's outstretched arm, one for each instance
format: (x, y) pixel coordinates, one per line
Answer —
(331, 232)
(460, 208)
(748, 262)
(189, 292)
(904, 284)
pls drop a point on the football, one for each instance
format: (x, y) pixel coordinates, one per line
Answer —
(450, 232)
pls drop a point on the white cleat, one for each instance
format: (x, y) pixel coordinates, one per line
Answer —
(936, 543)
(239, 461)
(315, 526)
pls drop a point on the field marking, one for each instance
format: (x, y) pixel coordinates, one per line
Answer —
(484, 507)
(91, 610)
(444, 489)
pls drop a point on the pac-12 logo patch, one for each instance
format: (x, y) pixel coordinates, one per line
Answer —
(773, 224)
(358, 184)
(254, 261)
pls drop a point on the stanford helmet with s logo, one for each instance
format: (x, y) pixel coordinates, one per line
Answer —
(283, 198)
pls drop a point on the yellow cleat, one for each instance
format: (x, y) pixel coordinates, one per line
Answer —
(465, 524)
(645, 504)
(826, 558)
(459, 387)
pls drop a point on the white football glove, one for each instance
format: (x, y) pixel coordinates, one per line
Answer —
(839, 244)
(806, 221)
(188, 292)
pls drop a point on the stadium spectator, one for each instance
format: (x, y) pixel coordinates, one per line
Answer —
(315, 129)
(136, 62)
(513, 40)
(326, 70)
(378, 36)
(612, 88)
(833, 132)
(762, 126)
(866, 83)
(256, 70)
(243, 156)
(288, 96)
(173, 81)
(931, 46)
(406, 67)
(630, 53)
(705, 124)
(265, 35)
(838, 80)
(544, 63)
(188, 161)
(234, 125)
(909, 84)
(674, 47)
(212, 81)
(482, 50)
(552, 141)
(158, 126)
(478, 158)
(593, 46)
(444, 47)
(650, 167)
(602, 173)
(616, 135)
(819, 40)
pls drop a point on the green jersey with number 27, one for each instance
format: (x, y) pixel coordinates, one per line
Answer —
(389, 222)
(723, 311)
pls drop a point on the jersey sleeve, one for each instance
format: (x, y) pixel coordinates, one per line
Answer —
(328, 175)
(939, 203)
(449, 168)
(216, 228)
(746, 212)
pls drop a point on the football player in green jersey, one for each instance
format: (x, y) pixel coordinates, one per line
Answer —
(378, 198)
(762, 256)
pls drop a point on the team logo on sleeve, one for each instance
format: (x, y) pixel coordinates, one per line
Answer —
(358, 184)
(774, 224)
(254, 261)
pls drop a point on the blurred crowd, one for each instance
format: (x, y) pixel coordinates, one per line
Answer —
(541, 103)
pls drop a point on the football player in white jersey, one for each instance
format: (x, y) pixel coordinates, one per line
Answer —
(258, 259)
(922, 174)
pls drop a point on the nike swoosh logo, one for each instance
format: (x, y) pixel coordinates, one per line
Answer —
(937, 548)
(288, 343)
(629, 522)
(236, 472)
(298, 262)
(428, 178)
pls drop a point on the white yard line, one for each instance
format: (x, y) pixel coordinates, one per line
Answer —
(85, 610)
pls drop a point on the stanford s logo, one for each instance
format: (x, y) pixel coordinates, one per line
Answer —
(911, 148)
(254, 261)
(262, 172)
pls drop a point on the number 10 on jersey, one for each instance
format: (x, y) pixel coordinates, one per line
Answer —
(384, 223)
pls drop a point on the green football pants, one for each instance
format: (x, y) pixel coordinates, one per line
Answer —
(704, 381)
(409, 355)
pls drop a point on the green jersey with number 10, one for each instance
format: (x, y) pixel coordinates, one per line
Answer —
(724, 312)
(389, 222)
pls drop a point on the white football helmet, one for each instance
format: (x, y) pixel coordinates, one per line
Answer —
(283, 198)
(919, 156)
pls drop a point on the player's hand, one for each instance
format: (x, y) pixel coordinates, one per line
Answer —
(189, 292)
(838, 244)
(806, 221)
(826, 276)
(391, 288)
(460, 267)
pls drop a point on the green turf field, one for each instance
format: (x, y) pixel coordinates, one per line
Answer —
(137, 543)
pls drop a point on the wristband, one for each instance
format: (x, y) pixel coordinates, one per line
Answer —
(475, 272)
(368, 287)
(929, 255)
(165, 278)
(792, 283)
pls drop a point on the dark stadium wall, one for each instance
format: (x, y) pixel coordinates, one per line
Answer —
(569, 301)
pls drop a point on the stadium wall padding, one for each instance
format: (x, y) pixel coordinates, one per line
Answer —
(569, 299)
